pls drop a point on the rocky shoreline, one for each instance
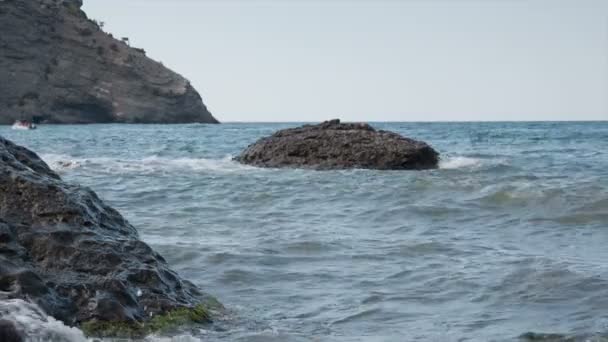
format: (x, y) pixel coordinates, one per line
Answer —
(63, 249)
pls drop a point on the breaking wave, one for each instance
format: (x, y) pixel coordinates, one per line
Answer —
(152, 164)
(459, 163)
(35, 325)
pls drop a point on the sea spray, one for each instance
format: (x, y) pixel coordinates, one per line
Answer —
(150, 164)
(35, 324)
(459, 163)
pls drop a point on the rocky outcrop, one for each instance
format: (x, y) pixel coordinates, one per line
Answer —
(58, 66)
(335, 145)
(64, 249)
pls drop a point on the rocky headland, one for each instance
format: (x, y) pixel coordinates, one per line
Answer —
(63, 249)
(59, 66)
(336, 145)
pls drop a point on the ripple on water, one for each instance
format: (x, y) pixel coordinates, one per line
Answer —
(507, 236)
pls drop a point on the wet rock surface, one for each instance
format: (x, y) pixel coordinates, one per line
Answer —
(58, 66)
(9, 332)
(64, 249)
(336, 145)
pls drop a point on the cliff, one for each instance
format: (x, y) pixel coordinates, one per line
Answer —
(58, 66)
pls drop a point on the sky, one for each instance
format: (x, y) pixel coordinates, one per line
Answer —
(383, 60)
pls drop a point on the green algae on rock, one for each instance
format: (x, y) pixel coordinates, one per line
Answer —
(162, 323)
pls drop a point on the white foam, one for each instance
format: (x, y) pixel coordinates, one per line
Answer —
(225, 164)
(35, 324)
(459, 163)
(178, 338)
(21, 127)
(61, 162)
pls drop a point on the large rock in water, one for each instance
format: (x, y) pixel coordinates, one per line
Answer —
(335, 145)
(58, 66)
(64, 249)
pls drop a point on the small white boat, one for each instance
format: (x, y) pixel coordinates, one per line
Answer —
(24, 125)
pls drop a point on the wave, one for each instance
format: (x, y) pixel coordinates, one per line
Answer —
(31, 320)
(459, 163)
(576, 219)
(177, 338)
(516, 193)
(155, 163)
(493, 164)
(152, 164)
(358, 316)
(35, 324)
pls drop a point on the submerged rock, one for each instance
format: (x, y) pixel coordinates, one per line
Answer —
(64, 249)
(335, 145)
(58, 66)
(542, 337)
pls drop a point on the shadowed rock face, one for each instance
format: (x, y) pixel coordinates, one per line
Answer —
(67, 251)
(9, 332)
(335, 145)
(57, 66)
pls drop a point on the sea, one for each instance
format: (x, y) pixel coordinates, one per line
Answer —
(508, 236)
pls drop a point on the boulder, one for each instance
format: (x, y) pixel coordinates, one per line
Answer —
(336, 145)
(64, 249)
(59, 66)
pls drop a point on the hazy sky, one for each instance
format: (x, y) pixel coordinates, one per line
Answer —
(408, 60)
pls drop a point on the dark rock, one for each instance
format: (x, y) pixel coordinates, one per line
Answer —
(335, 145)
(58, 66)
(64, 249)
(9, 332)
(542, 337)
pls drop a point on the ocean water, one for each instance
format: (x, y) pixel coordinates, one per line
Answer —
(508, 236)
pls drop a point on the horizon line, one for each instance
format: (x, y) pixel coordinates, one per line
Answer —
(430, 121)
